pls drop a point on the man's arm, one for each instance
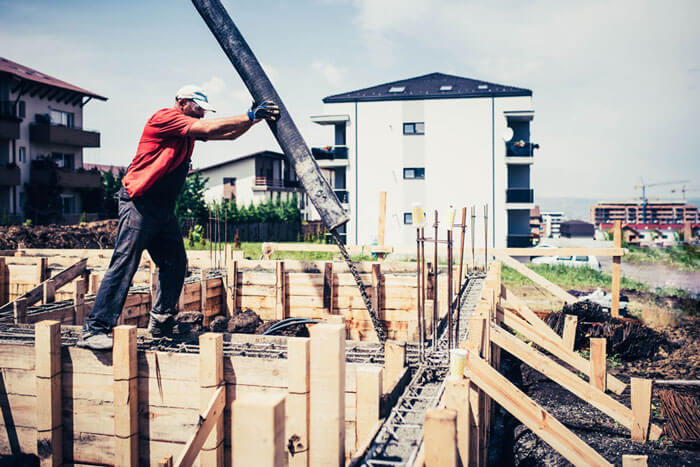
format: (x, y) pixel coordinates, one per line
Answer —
(217, 128)
(231, 134)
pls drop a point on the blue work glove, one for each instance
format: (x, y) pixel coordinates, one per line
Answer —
(267, 110)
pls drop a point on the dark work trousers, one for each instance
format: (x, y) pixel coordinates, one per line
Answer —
(143, 225)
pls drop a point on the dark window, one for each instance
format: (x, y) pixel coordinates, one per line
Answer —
(229, 180)
(414, 128)
(22, 109)
(64, 160)
(414, 173)
(23, 154)
(407, 218)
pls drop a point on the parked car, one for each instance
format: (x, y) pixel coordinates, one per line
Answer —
(573, 261)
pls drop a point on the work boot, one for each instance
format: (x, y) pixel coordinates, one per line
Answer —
(95, 340)
(161, 325)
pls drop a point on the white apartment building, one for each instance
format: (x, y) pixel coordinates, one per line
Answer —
(437, 140)
(552, 223)
(41, 146)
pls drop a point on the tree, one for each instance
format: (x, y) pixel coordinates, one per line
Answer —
(190, 203)
(111, 186)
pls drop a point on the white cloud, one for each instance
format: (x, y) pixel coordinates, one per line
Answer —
(331, 73)
(214, 85)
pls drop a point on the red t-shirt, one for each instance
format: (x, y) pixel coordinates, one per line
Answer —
(164, 145)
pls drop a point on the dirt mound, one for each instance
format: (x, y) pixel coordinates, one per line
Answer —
(627, 338)
(101, 234)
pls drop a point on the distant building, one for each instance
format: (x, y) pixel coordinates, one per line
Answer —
(552, 221)
(41, 146)
(436, 140)
(253, 178)
(576, 229)
(653, 235)
(536, 225)
(632, 212)
(113, 169)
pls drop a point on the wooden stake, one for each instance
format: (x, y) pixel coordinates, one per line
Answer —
(328, 287)
(126, 425)
(49, 422)
(440, 438)
(4, 283)
(166, 461)
(634, 460)
(210, 418)
(231, 283)
(49, 291)
(456, 398)
(368, 398)
(20, 310)
(80, 310)
(378, 289)
(258, 431)
(41, 270)
(297, 405)
(598, 363)
(280, 291)
(569, 334)
(203, 296)
(394, 362)
(327, 406)
(211, 378)
(641, 408)
(616, 270)
(94, 284)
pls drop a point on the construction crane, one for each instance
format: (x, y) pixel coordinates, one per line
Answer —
(644, 187)
(684, 190)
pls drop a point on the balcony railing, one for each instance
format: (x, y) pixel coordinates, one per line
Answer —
(65, 177)
(269, 182)
(343, 196)
(10, 175)
(519, 241)
(520, 195)
(57, 134)
(520, 149)
(9, 121)
(330, 152)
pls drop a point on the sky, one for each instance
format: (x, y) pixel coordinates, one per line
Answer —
(616, 84)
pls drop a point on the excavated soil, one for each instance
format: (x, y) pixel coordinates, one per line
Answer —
(190, 323)
(100, 234)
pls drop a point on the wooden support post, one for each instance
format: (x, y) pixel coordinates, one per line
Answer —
(440, 438)
(166, 461)
(297, 424)
(4, 282)
(203, 295)
(616, 270)
(368, 383)
(153, 280)
(20, 310)
(377, 289)
(211, 377)
(41, 270)
(49, 291)
(456, 398)
(126, 423)
(49, 422)
(569, 334)
(394, 362)
(210, 418)
(634, 460)
(280, 291)
(598, 363)
(327, 406)
(231, 283)
(94, 283)
(79, 307)
(641, 408)
(258, 431)
(328, 288)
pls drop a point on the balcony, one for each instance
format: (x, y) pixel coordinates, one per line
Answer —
(520, 149)
(274, 184)
(10, 175)
(518, 241)
(9, 121)
(520, 195)
(343, 196)
(45, 175)
(58, 134)
(330, 153)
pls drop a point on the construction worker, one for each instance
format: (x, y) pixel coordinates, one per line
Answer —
(147, 197)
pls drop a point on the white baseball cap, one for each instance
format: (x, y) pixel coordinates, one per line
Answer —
(196, 94)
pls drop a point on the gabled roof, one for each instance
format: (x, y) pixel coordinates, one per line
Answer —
(29, 74)
(428, 87)
(267, 154)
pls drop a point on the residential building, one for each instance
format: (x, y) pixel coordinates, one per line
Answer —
(41, 146)
(576, 229)
(654, 235)
(253, 178)
(552, 223)
(536, 225)
(437, 140)
(635, 212)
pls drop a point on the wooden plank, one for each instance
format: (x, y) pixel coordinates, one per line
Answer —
(4, 282)
(378, 288)
(616, 271)
(231, 285)
(262, 442)
(80, 309)
(394, 362)
(328, 287)
(126, 423)
(440, 438)
(327, 389)
(368, 400)
(209, 419)
(20, 310)
(599, 356)
(49, 426)
(297, 406)
(568, 380)
(641, 408)
(211, 379)
(537, 279)
(634, 460)
(166, 461)
(49, 291)
(456, 397)
(569, 334)
(548, 428)
(281, 303)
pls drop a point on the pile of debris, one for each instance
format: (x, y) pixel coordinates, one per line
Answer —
(100, 234)
(627, 338)
(241, 322)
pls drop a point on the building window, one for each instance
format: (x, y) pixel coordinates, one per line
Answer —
(407, 218)
(68, 204)
(21, 200)
(23, 154)
(229, 180)
(22, 111)
(64, 160)
(61, 117)
(414, 173)
(414, 128)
